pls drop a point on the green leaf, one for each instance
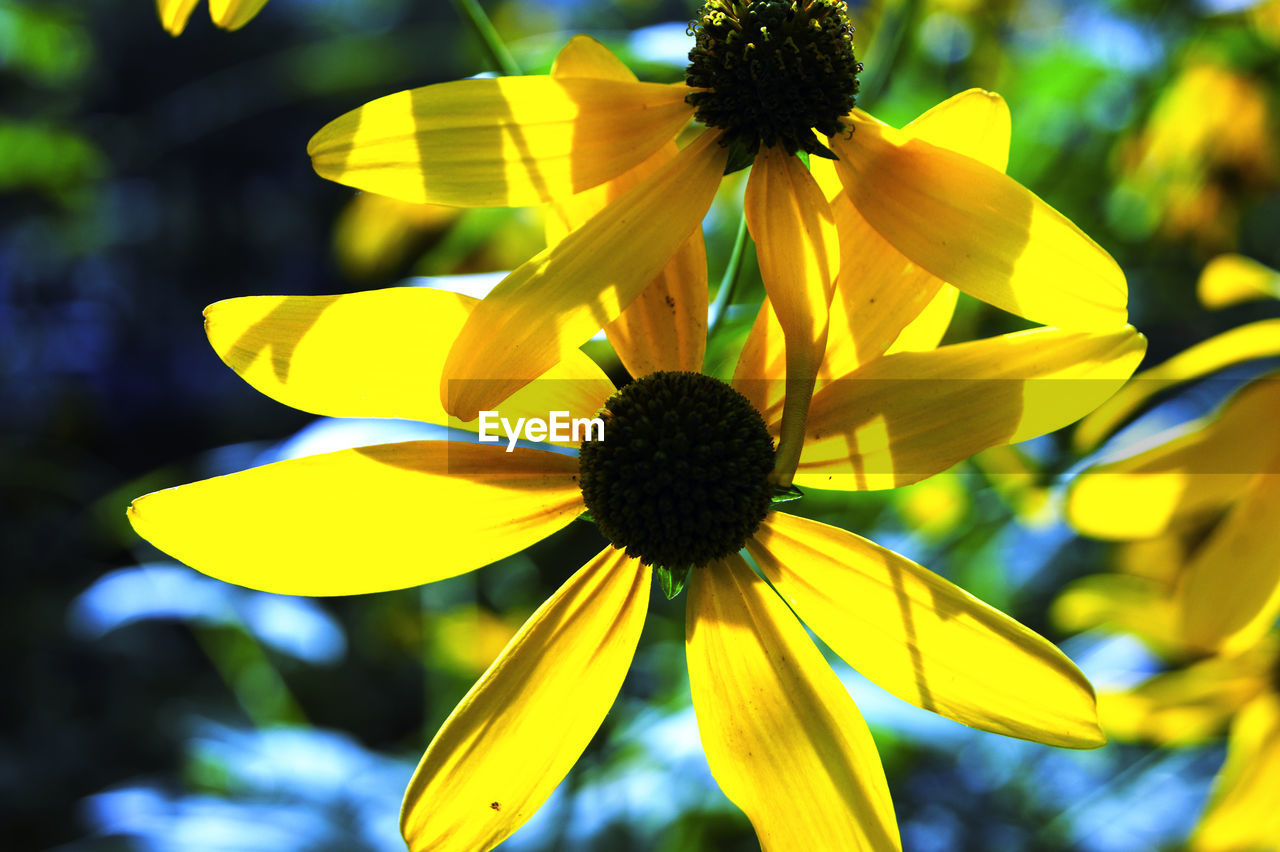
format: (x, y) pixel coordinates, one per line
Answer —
(672, 580)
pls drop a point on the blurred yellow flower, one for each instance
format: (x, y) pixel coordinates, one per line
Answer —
(1240, 694)
(228, 14)
(684, 486)
(916, 194)
(1208, 144)
(1207, 499)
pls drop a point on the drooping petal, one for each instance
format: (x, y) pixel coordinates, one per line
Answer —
(1229, 594)
(1230, 279)
(665, 327)
(506, 141)
(1199, 472)
(930, 325)
(1244, 809)
(364, 520)
(234, 14)
(783, 738)
(975, 123)
(174, 14)
(1188, 705)
(554, 303)
(924, 639)
(883, 301)
(1244, 343)
(973, 227)
(798, 250)
(903, 417)
(883, 292)
(524, 724)
(377, 354)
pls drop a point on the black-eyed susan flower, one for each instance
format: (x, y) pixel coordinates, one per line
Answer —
(228, 14)
(767, 80)
(1200, 507)
(680, 481)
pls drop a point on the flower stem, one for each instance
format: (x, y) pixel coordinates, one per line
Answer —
(729, 283)
(493, 43)
(890, 42)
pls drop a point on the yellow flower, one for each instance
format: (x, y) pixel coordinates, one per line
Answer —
(1200, 507)
(1240, 694)
(763, 78)
(228, 14)
(782, 736)
(1207, 147)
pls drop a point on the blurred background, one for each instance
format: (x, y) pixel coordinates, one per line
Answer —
(143, 177)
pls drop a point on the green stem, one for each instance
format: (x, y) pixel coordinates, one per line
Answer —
(493, 44)
(886, 51)
(729, 283)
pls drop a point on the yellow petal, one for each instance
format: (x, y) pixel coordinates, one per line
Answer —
(783, 738)
(1188, 705)
(881, 297)
(665, 327)
(554, 303)
(924, 639)
(1243, 814)
(363, 520)
(377, 354)
(234, 14)
(798, 250)
(583, 56)
(1229, 594)
(903, 417)
(530, 716)
(930, 325)
(973, 227)
(504, 141)
(1230, 279)
(1255, 340)
(1204, 468)
(174, 14)
(975, 123)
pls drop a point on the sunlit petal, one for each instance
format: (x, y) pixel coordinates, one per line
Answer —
(930, 325)
(1191, 704)
(1243, 814)
(903, 417)
(501, 141)
(973, 227)
(975, 123)
(783, 738)
(1230, 279)
(1244, 343)
(377, 354)
(174, 14)
(234, 14)
(530, 716)
(1229, 594)
(665, 327)
(554, 303)
(1207, 466)
(363, 520)
(798, 250)
(924, 639)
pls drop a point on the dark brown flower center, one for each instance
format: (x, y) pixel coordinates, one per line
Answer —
(681, 477)
(770, 72)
